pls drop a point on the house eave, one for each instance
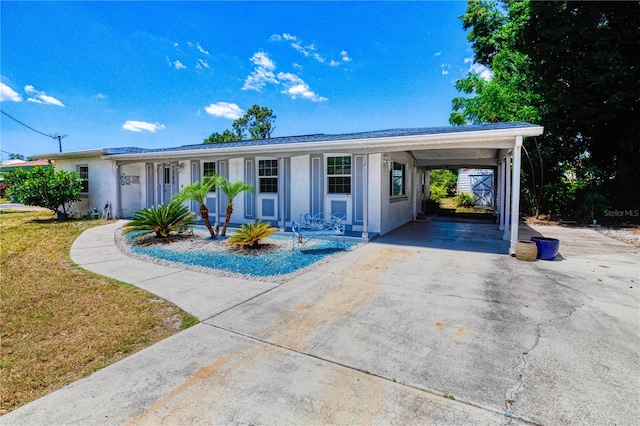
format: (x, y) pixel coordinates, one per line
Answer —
(493, 138)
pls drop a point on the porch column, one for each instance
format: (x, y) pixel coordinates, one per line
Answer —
(515, 202)
(281, 195)
(218, 198)
(507, 197)
(115, 210)
(499, 196)
(365, 196)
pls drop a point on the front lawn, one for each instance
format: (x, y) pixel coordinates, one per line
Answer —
(60, 323)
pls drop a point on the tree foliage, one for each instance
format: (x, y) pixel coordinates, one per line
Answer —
(568, 66)
(232, 190)
(257, 123)
(442, 183)
(197, 192)
(44, 187)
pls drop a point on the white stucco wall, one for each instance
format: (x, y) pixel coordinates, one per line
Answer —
(102, 179)
(131, 189)
(396, 211)
(300, 186)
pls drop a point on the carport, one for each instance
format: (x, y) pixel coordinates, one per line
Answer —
(497, 146)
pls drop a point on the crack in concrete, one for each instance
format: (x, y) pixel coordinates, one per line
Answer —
(512, 394)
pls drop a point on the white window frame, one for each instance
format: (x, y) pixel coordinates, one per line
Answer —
(84, 179)
(338, 175)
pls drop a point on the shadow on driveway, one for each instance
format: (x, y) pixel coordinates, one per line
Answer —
(478, 236)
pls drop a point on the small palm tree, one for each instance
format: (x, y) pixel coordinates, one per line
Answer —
(162, 219)
(232, 190)
(197, 192)
(250, 235)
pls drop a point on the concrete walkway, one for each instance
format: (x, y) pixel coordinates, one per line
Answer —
(398, 331)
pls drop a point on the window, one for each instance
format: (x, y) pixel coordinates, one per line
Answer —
(339, 175)
(83, 173)
(397, 180)
(268, 175)
(208, 169)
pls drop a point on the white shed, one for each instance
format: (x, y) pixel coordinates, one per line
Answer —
(479, 183)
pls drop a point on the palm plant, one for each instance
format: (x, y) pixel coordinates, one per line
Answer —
(162, 219)
(232, 190)
(251, 234)
(198, 192)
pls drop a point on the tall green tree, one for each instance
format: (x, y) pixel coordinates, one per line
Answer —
(585, 72)
(566, 65)
(256, 123)
(197, 192)
(232, 190)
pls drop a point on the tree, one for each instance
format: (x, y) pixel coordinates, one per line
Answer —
(565, 65)
(198, 192)
(257, 123)
(17, 157)
(232, 190)
(44, 187)
(587, 81)
(226, 136)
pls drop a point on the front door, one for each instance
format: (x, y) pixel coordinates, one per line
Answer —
(167, 181)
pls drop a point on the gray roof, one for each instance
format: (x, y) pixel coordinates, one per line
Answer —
(324, 138)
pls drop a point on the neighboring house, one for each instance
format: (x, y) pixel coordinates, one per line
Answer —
(11, 165)
(479, 183)
(375, 180)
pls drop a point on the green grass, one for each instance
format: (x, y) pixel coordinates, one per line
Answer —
(451, 203)
(59, 322)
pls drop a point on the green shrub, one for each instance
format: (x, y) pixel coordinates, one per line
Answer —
(249, 235)
(465, 199)
(162, 219)
(44, 187)
(442, 183)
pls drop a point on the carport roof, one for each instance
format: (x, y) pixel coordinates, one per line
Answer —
(475, 145)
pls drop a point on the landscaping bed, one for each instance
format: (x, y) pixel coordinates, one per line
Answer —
(272, 261)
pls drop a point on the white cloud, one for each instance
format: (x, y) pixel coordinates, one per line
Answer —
(445, 68)
(310, 50)
(8, 94)
(437, 54)
(178, 65)
(225, 110)
(484, 72)
(41, 97)
(201, 64)
(100, 96)
(262, 73)
(138, 126)
(200, 49)
(296, 87)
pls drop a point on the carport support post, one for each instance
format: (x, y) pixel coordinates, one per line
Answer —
(507, 197)
(365, 196)
(500, 196)
(515, 208)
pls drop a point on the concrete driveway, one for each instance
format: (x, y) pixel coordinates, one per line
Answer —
(427, 325)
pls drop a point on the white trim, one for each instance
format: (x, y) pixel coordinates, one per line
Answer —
(515, 203)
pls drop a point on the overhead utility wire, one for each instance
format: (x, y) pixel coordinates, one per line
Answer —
(56, 136)
(28, 127)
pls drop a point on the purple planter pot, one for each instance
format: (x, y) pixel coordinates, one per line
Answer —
(547, 247)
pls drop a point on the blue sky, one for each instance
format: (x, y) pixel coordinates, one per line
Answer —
(160, 74)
